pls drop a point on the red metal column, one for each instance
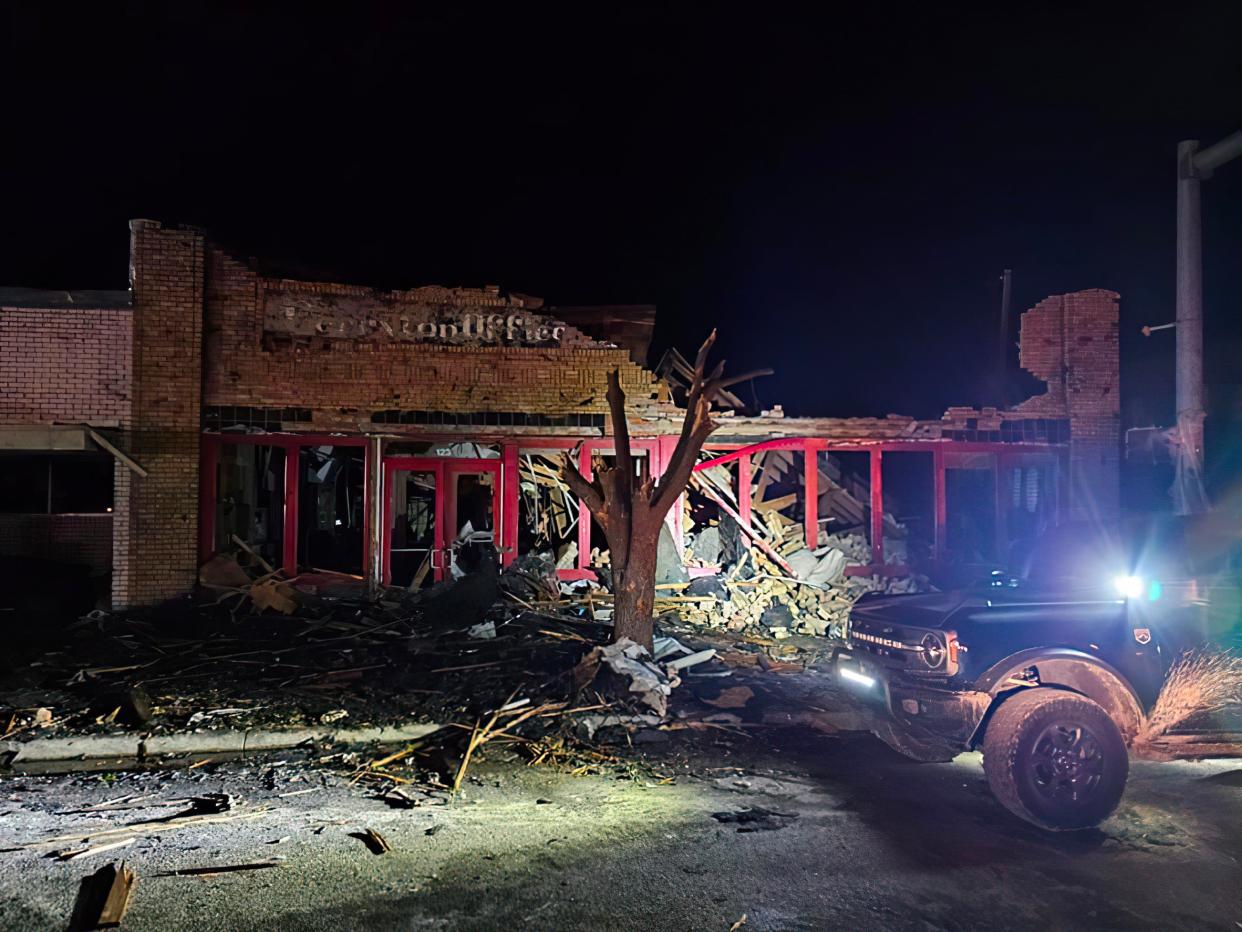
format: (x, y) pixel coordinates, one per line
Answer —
(938, 494)
(366, 509)
(877, 509)
(811, 491)
(584, 513)
(293, 458)
(510, 504)
(743, 489)
(660, 453)
(385, 492)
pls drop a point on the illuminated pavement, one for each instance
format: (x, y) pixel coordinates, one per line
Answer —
(878, 842)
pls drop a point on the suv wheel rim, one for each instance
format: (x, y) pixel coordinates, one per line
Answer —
(1067, 763)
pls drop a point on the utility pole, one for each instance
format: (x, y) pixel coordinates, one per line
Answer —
(1002, 349)
(1193, 165)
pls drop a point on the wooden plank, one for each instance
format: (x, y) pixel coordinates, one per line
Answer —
(103, 898)
(776, 504)
(103, 441)
(758, 541)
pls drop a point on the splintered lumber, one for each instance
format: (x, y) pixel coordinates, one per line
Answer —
(150, 827)
(374, 841)
(267, 567)
(93, 850)
(220, 869)
(758, 541)
(103, 898)
(274, 595)
(776, 504)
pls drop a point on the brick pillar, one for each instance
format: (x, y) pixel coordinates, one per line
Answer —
(1092, 383)
(155, 530)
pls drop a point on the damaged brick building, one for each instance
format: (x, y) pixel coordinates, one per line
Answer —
(338, 428)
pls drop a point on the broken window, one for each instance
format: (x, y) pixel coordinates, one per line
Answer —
(778, 497)
(56, 483)
(413, 553)
(25, 486)
(331, 508)
(547, 511)
(475, 504)
(844, 511)
(970, 507)
(908, 484)
(250, 499)
(703, 518)
(1030, 500)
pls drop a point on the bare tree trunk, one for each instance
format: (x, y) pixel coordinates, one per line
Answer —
(631, 511)
(634, 597)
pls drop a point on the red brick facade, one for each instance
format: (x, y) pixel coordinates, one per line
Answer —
(1072, 342)
(65, 365)
(85, 539)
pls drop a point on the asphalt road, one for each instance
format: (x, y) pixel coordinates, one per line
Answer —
(862, 839)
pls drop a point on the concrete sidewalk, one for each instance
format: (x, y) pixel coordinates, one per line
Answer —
(141, 746)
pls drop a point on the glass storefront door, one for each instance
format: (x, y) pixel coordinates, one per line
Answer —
(434, 508)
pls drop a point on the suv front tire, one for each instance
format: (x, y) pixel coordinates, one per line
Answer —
(1055, 759)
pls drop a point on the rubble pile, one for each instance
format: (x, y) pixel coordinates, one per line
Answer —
(307, 651)
(758, 597)
(509, 658)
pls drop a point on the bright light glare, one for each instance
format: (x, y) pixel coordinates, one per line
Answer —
(860, 679)
(1131, 587)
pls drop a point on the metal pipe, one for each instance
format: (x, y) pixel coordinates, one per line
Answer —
(1192, 165)
(1190, 412)
(1213, 157)
(1002, 355)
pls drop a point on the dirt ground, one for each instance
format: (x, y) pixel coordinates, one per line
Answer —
(857, 837)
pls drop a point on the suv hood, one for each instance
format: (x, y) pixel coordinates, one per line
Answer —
(919, 610)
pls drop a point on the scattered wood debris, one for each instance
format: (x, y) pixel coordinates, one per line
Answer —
(103, 898)
(76, 853)
(215, 870)
(375, 842)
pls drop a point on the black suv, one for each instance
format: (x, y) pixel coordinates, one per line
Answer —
(1050, 672)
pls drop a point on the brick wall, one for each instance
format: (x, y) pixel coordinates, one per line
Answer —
(343, 382)
(66, 365)
(1072, 342)
(85, 539)
(156, 517)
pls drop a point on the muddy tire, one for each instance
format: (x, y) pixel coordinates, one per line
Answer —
(1055, 759)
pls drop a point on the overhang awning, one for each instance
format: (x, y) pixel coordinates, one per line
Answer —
(55, 438)
(43, 438)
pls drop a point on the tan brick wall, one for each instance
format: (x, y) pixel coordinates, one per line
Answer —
(344, 381)
(156, 517)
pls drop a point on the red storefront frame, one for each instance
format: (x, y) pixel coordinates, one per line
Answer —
(659, 450)
(1006, 454)
(209, 458)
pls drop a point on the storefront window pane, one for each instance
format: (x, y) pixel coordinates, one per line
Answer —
(250, 499)
(331, 508)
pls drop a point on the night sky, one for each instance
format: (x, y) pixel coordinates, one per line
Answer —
(838, 195)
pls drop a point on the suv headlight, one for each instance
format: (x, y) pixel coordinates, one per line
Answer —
(941, 654)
